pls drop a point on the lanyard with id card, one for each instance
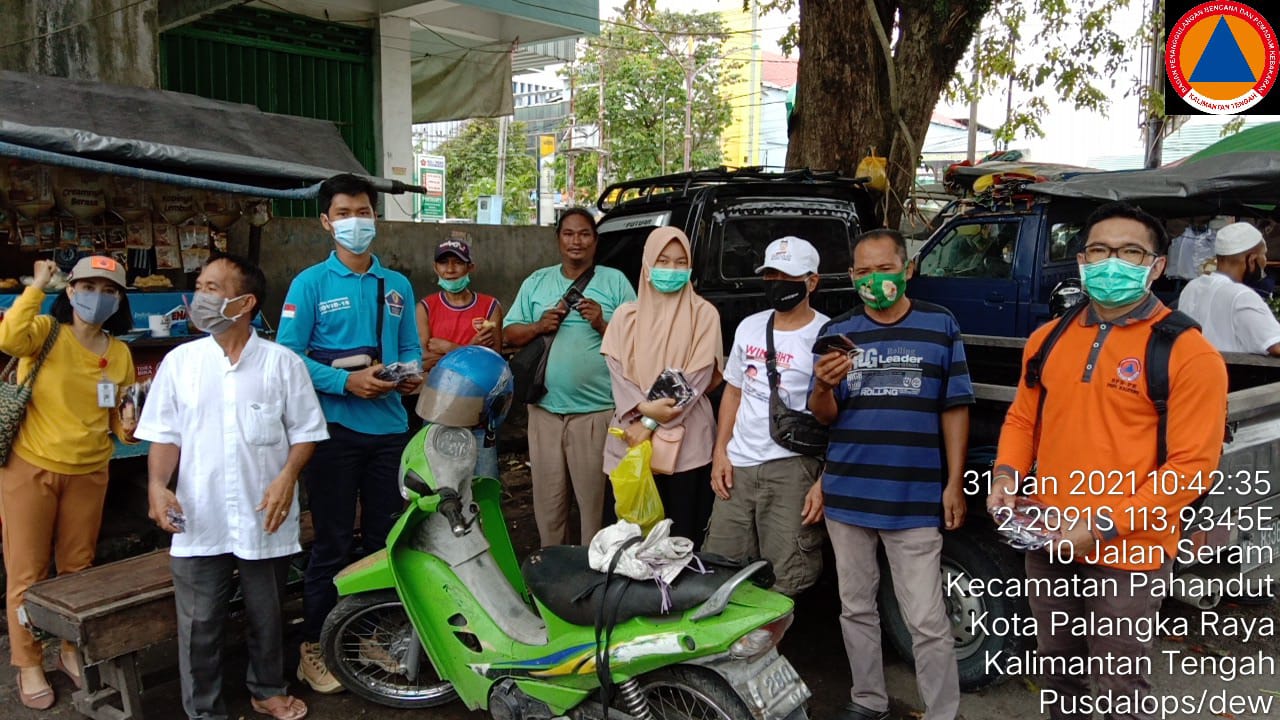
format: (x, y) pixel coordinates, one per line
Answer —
(106, 388)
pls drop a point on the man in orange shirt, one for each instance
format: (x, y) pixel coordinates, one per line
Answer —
(1091, 430)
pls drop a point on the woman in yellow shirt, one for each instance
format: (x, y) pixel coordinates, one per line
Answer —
(53, 486)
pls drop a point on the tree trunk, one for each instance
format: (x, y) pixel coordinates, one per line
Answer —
(843, 104)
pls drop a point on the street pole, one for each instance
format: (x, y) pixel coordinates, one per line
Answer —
(600, 149)
(688, 107)
(569, 154)
(1155, 116)
(973, 104)
(501, 184)
(663, 124)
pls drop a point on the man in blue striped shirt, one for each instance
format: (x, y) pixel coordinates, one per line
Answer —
(898, 407)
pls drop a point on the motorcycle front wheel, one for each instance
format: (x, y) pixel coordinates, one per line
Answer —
(371, 647)
(684, 692)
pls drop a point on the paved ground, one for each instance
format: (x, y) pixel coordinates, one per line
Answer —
(813, 644)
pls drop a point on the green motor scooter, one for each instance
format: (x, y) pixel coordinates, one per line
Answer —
(445, 611)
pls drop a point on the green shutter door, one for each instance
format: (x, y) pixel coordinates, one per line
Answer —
(280, 63)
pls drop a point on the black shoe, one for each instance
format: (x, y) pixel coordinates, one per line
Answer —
(854, 711)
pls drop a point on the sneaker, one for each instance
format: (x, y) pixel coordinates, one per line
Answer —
(312, 670)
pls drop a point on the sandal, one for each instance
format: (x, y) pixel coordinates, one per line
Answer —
(77, 679)
(290, 708)
(42, 700)
(854, 711)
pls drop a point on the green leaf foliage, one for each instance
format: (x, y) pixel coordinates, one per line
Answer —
(644, 57)
(471, 170)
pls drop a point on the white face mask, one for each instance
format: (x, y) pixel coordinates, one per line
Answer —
(208, 312)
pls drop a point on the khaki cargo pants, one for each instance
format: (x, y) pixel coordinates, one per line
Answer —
(761, 518)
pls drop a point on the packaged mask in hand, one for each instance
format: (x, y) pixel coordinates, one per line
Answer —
(176, 519)
(398, 372)
(1029, 524)
(672, 383)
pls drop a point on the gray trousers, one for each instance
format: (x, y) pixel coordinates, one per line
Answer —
(202, 592)
(914, 560)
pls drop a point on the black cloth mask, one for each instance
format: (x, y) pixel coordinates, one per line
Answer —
(786, 294)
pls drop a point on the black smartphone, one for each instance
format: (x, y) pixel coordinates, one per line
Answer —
(572, 298)
(838, 342)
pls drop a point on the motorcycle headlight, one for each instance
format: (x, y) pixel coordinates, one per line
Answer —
(451, 453)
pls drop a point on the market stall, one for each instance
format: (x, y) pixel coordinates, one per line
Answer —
(154, 179)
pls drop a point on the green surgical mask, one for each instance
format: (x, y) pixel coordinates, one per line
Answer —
(1114, 282)
(454, 286)
(881, 290)
(669, 280)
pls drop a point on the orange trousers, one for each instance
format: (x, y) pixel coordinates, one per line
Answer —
(44, 513)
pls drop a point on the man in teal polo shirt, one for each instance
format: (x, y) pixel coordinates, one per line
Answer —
(568, 426)
(348, 317)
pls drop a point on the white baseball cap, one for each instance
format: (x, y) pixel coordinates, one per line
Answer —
(790, 255)
(1235, 239)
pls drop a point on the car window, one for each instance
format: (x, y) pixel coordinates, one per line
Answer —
(623, 250)
(1064, 241)
(981, 250)
(744, 239)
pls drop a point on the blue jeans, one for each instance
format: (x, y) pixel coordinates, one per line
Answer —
(347, 466)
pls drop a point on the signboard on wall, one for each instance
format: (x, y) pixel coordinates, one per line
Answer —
(430, 175)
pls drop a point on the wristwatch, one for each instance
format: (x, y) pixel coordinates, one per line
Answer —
(649, 423)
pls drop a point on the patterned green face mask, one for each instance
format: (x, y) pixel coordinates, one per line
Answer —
(881, 290)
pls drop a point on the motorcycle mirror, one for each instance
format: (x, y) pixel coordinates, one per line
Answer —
(413, 481)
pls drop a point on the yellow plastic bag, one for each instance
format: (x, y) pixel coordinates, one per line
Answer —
(636, 498)
(873, 168)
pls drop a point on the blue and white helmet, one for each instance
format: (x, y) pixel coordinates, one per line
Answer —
(470, 387)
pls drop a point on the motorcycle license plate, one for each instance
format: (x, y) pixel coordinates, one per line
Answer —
(776, 691)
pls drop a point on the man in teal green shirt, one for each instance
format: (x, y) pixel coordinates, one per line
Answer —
(568, 426)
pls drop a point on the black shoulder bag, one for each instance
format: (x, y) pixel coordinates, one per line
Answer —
(529, 364)
(796, 431)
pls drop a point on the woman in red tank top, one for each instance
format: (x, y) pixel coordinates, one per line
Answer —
(457, 315)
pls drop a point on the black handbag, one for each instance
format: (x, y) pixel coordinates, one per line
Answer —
(796, 431)
(529, 364)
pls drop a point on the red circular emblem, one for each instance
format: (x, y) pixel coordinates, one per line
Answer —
(1222, 57)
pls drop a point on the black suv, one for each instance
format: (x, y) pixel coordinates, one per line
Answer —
(730, 217)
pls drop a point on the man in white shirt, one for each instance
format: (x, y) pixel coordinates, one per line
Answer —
(1232, 315)
(1192, 249)
(237, 418)
(764, 507)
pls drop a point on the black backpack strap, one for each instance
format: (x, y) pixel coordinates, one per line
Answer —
(382, 301)
(1034, 370)
(1159, 348)
(1035, 364)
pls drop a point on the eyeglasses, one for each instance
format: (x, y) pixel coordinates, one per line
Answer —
(1133, 254)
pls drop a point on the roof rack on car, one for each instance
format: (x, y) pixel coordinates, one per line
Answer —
(644, 189)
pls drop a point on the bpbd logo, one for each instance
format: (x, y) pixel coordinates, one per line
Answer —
(1221, 57)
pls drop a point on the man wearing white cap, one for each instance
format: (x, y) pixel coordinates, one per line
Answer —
(1233, 317)
(761, 508)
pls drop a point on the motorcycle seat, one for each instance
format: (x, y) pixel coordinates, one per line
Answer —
(563, 581)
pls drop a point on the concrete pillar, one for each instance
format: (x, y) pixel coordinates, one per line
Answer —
(395, 113)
